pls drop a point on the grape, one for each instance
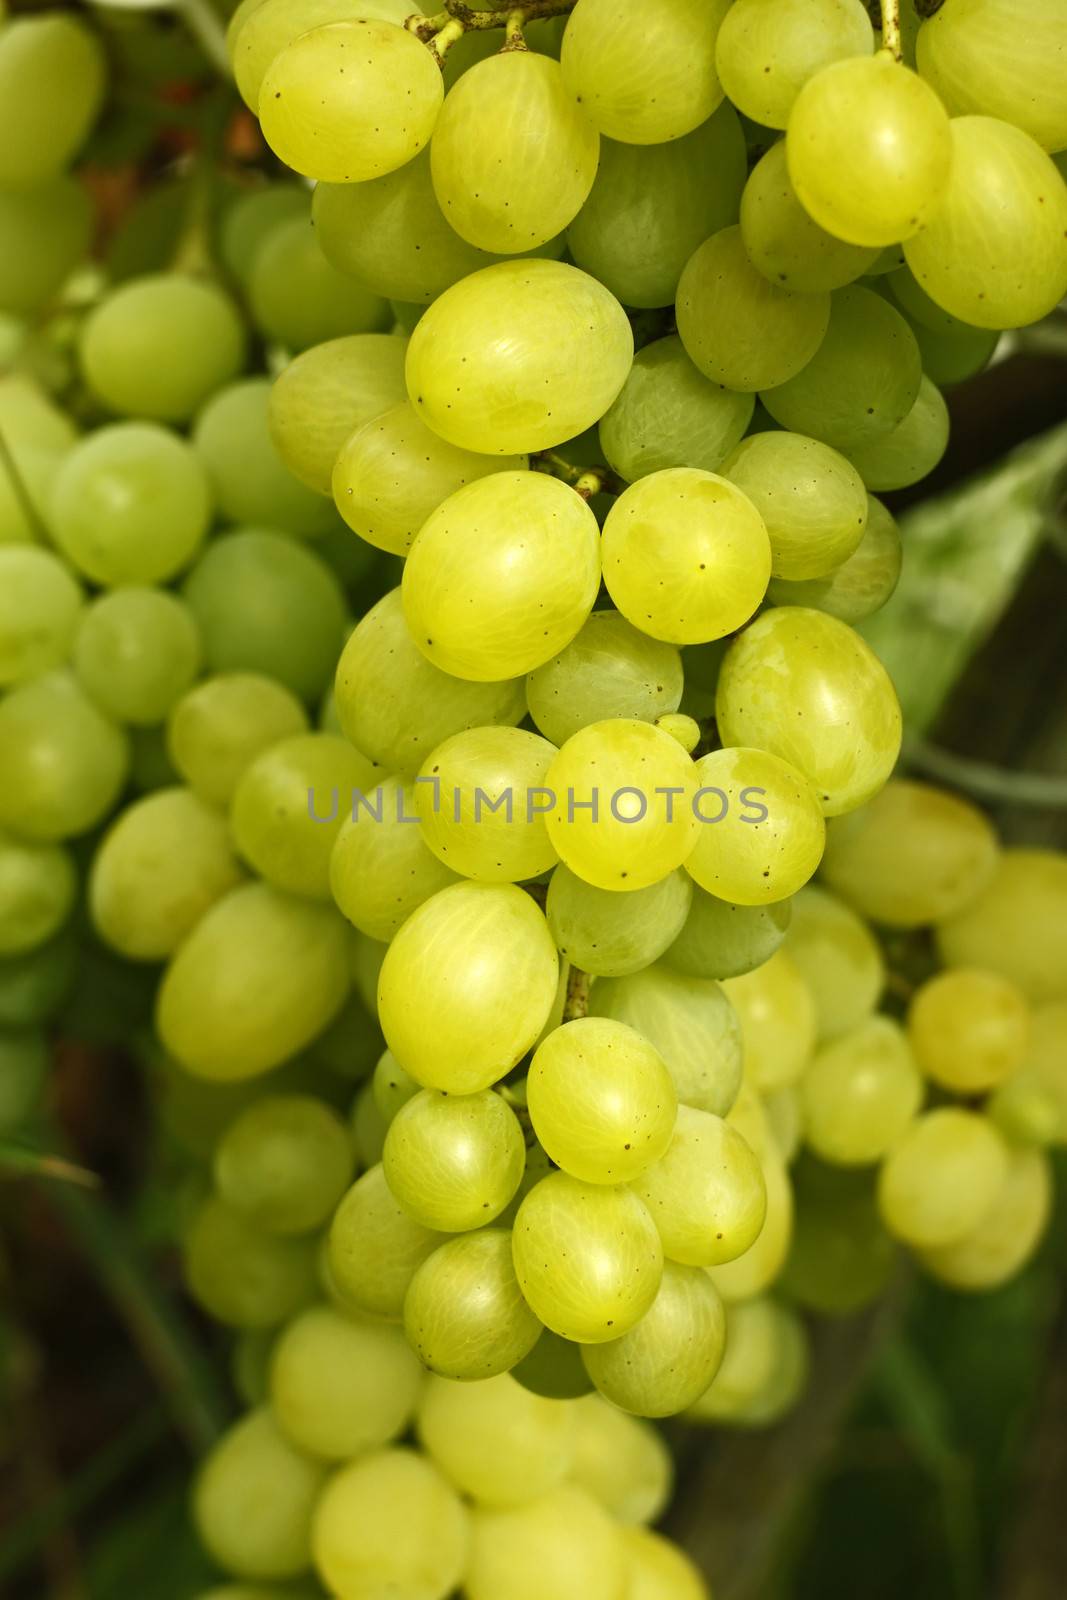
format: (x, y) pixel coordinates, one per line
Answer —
(64, 762)
(610, 935)
(326, 393)
(841, 1259)
(554, 1367)
(653, 204)
(391, 1087)
(531, 589)
(835, 717)
(912, 450)
(1013, 924)
(381, 869)
(942, 1177)
(721, 939)
(476, 798)
(763, 831)
(952, 357)
(761, 1264)
(1000, 58)
(494, 1440)
(859, 586)
(136, 652)
(243, 1276)
(45, 233)
(24, 1063)
(1008, 1234)
(52, 74)
(562, 1544)
(218, 728)
(396, 706)
(389, 1524)
(686, 556)
(464, 1314)
(669, 415)
(130, 504)
(253, 1500)
(1046, 1060)
(298, 298)
(838, 958)
(644, 77)
(40, 604)
(861, 1093)
(284, 1163)
(38, 885)
(259, 976)
(740, 329)
(454, 1161)
(768, 50)
(969, 1029)
(249, 480)
(668, 1360)
(783, 242)
(706, 1193)
(659, 1570)
(375, 1248)
(518, 357)
(368, 1131)
(340, 1385)
(622, 1462)
(861, 383)
(265, 605)
(249, 220)
(1005, 204)
(756, 1331)
(778, 1021)
(587, 1256)
(812, 501)
(609, 669)
(271, 25)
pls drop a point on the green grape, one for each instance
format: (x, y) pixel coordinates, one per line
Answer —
(297, 298)
(368, 1129)
(740, 329)
(835, 717)
(553, 1368)
(24, 502)
(273, 24)
(668, 1360)
(45, 233)
(340, 1385)
(1046, 1058)
(859, 586)
(321, 398)
(1003, 58)
(476, 800)
(494, 1440)
(265, 605)
(942, 1177)
(863, 380)
(391, 1087)
(393, 473)
(158, 346)
(587, 1256)
(1005, 203)
(653, 204)
(29, 417)
(464, 1313)
(261, 975)
(611, 935)
(253, 1500)
(778, 1021)
(130, 504)
(250, 482)
(644, 77)
(381, 115)
(669, 415)
(761, 1264)
(609, 669)
(164, 863)
(520, 356)
(720, 939)
(64, 762)
(250, 219)
(454, 1161)
(1026, 1110)
(812, 501)
(860, 1094)
(784, 243)
(533, 586)
(467, 985)
(33, 986)
(706, 1193)
(1000, 1245)
(136, 652)
(389, 1524)
(952, 357)
(689, 1021)
(243, 1276)
(756, 1333)
(969, 1029)
(768, 50)
(913, 448)
(366, 956)
(660, 1570)
(40, 605)
(218, 728)
(838, 958)
(38, 885)
(375, 1248)
(381, 869)
(52, 80)
(764, 831)
(622, 1462)
(917, 306)
(24, 1063)
(1012, 924)
(562, 1544)
(284, 1163)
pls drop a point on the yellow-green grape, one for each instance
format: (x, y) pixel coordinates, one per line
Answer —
(251, 483)
(518, 357)
(369, 1128)
(1005, 203)
(949, 358)
(686, 556)
(644, 77)
(375, 1248)
(621, 1461)
(1046, 1058)
(348, 101)
(757, 1333)
(259, 976)
(321, 398)
(38, 885)
(242, 1275)
(481, 796)
(562, 1544)
(64, 762)
(660, 1570)
(454, 1161)
(366, 957)
(1004, 58)
(391, 1087)
(783, 1110)
(610, 935)
(23, 507)
(393, 472)
(264, 32)
(587, 1256)
(808, 689)
(46, 233)
(762, 830)
(912, 449)
(969, 1029)
(341, 1385)
(512, 113)
(218, 728)
(253, 1500)
(298, 298)
(684, 728)
(622, 813)
(768, 49)
(609, 669)
(860, 1094)
(784, 1376)
(859, 586)
(531, 589)
(136, 652)
(784, 242)
(1010, 1231)
(778, 1021)
(669, 415)
(653, 204)
(164, 862)
(942, 1177)
(720, 939)
(52, 80)
(839, 959)
(740, 329)
(464, 1314)
(284, 1163)
(553, 1368)
(252, 216)
(812, 501)
(396, 706)
(667, 1361)
(1014, 924)
(40, 605)
(761, 1264)
(467, 985)
(1027, 1110)
(381, 869)
(706, 1194)
(389, 1524)
(494, 1440)
(689, 1021)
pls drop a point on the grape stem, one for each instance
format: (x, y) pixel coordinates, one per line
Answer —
(467, 19)
(1046, 791)
(586, 481)
(891, 40)
(576, 1003)
(513, 39)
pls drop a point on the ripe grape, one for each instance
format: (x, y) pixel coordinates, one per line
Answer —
(768, 49)
(839, 959)
(464, 1314)
(494, 1440)
(136, 652)
(40, 606)
(668, 1360)
(860, 1093)
(298, 298)
(942, 1177)
(260, 34)
(778, 1021)
(784, 242)
(660, 1570)
(706, 1193)
(969, 1029)
(1008, 1233)
(39, 884)
(381, 869)
(609, 669)
(621, 1461)
(475, 797)
(45, 233)
(326, 393)
(763, 831)
(1000, 58)
(859, 586)
(669, 415)
(1012, 924)
(52, 81)
(249, 481)
(240, 1274)
(812, 501)
(553, 1368)
(912, 449)
(219, 727)
(720, 939)
(612, 935)
(454, 1161)
(284, 1163)
(375, 1248)
(64, 762)
(253, 1500)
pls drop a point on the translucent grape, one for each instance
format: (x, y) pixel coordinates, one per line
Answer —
(249, 220)
(838, 958)
(768, 49)
(481, 798)
(494, 1440)
(38, 884)
(1003, 59)
(52, 79)
(298, 298)
(326, 393)
(454, 1161)
(271, 25)
(942, 1177)
(240, 1274)
(778, 1021)
(783, 241)
(689, 1021)
(860, 1094)
(912, 449)
(721, 939)
(969, 1029)
(756, 1331)
(250, 482)
(609, 669)
(706, 1193)
(763, 830)
(40, 604)
(136, 652)
(668, 1360)
(660, 1570)
(253, 1500)
(45, 233)
(381, 869)
(223, 723)
(610, 935)
(859, 586)
(1007, 1235)
(622, 1462)
(64, 762)
(669, 415)
(464, 1314)
(284, 1163)
(1013, 924)
(952, 357)
(1047, 1057)
(761, 1264)
(812, 501)
(375, 1248)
